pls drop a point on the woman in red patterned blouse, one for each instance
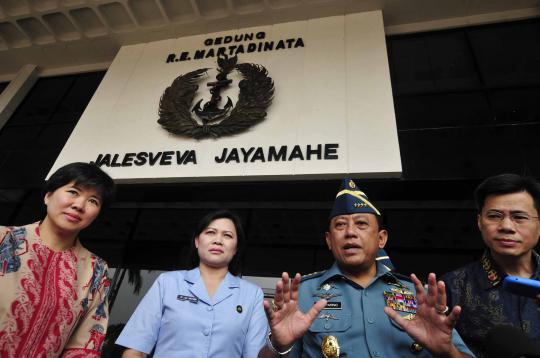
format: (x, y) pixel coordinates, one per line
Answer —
(53, 290)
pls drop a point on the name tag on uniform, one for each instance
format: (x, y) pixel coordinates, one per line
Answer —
(187, 298)
(333, 306)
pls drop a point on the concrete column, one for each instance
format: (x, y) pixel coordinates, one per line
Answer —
(16, 91)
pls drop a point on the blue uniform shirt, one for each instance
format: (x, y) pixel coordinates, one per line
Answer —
(181, 320)
(355, 316)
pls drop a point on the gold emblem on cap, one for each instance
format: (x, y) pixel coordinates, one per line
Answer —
(351, 184)
(330, 347)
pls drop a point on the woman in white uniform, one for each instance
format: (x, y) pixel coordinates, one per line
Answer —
(203, 312)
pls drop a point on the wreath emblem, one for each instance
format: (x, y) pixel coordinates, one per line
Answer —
(255, 96)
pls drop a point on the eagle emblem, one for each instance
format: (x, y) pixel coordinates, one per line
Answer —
(177, 115)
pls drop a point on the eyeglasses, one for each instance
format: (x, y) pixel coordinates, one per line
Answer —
(496, 217)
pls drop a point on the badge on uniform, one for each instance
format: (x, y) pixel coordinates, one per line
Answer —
(333, 306)
(326, 296)
(330, 347)
(187, 298)
(327, 316)
(401, 300)
(327, 286)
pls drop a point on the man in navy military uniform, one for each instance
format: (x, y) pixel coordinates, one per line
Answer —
(359, 308)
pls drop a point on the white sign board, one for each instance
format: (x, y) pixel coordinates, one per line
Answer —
(332, 112)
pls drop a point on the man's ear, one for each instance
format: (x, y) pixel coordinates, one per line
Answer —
(479, 221)
(328, 240)
(383, 238)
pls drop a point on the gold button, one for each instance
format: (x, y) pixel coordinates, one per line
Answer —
(416, 348)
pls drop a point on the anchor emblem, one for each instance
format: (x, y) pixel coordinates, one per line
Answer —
(177, 112)
(210, 111)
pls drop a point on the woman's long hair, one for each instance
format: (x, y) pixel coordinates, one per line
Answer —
(235, 264)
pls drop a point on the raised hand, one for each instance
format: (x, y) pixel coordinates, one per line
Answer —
(287, 322)
(431, 327)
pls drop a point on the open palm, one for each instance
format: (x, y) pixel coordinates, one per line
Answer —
(287, 322)
(430, 327)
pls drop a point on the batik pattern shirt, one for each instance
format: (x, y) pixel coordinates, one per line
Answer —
(52, 304)
(477, 288)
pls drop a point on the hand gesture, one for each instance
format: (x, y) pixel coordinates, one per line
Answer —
(287, 322)
(431, 327)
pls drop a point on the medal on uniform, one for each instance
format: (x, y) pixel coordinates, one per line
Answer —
(326, 296)
(327, 317)
(330, 347)
(409, 317)
(401, 300)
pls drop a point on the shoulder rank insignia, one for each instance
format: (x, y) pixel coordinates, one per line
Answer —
(312, 275)
(391, 278)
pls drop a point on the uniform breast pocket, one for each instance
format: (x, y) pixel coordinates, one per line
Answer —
(335, 325)
(403, 343)
(397, 325)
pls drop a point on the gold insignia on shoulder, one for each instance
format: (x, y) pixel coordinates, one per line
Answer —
(312, 274)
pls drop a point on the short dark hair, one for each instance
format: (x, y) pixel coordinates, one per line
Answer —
(235, 264)
(86, 175)
(507, 184)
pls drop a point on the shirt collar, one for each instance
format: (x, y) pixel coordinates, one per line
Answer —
(536, 260)
(494, 273)
(194, 275)
(335, 271)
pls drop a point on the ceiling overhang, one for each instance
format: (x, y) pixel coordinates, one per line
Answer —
(70, 36)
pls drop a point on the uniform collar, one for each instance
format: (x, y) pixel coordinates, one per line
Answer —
(335, 271)
(494, 274)
(194, 276)
(198, 288)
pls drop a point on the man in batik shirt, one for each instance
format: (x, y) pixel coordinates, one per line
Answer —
(508, 207)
